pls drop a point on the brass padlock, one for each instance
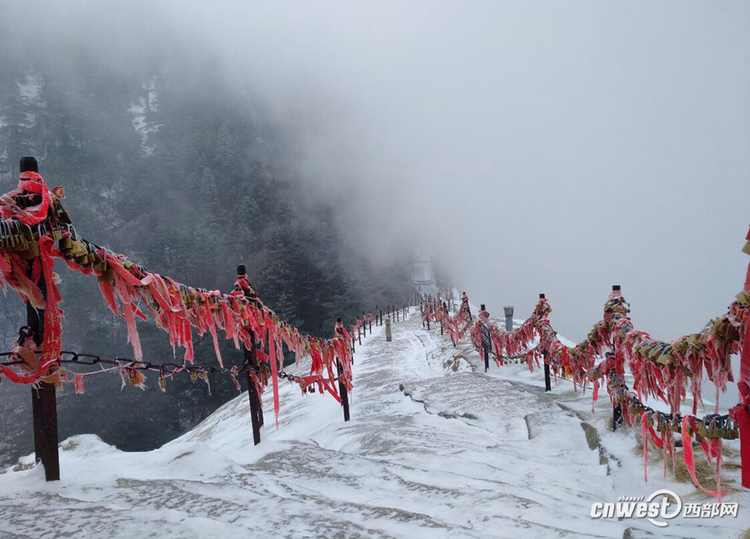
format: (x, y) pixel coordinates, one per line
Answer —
(78, 249)
(746, 248)
(703, 428)
(63, 216)
(680, 346)
(107, 276)
(714, 427)
(20, 243)
(719, 329)
(65, 244)
(32, 251)
(665, 359)
(730, 431)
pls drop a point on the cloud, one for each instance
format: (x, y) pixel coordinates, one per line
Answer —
(532, 147)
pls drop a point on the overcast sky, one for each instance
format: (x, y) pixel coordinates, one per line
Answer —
(556, 147)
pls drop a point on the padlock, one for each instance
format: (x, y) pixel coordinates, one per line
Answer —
(743, 297)
(63, 216)
(193, 376)
(665, 359)
(65, 245)
(719, 329)
(31, 252)
(78, 250)
(107, 276)
(163, 383)
(661, 425)
(730, 431)
(746, 248)
(703, 428)
(680, 346)
(20, 243)
(732, 333)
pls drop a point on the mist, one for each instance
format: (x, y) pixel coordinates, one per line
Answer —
(530, 147)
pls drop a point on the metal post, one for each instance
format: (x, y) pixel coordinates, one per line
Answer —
(251, 362)
(252, 392)
(616, 406)
(44, 399)
(485, 347)
(616, 414)
(342, 390)
(388, 330)
(547, 381)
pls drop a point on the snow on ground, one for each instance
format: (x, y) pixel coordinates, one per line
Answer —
(435, 448)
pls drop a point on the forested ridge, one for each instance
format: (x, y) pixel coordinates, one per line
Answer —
(182, 175)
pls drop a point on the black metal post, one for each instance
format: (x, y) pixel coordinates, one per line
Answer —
(251, 362)
(547, 381)
(616, 406)
(616, 415)
(44, 399)
(252, 392)
(342, 390)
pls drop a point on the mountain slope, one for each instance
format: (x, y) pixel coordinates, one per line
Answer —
(434, 449)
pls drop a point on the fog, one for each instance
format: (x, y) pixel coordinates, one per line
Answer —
(556, 147)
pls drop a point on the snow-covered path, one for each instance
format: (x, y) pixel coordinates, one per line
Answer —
(434, 449)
